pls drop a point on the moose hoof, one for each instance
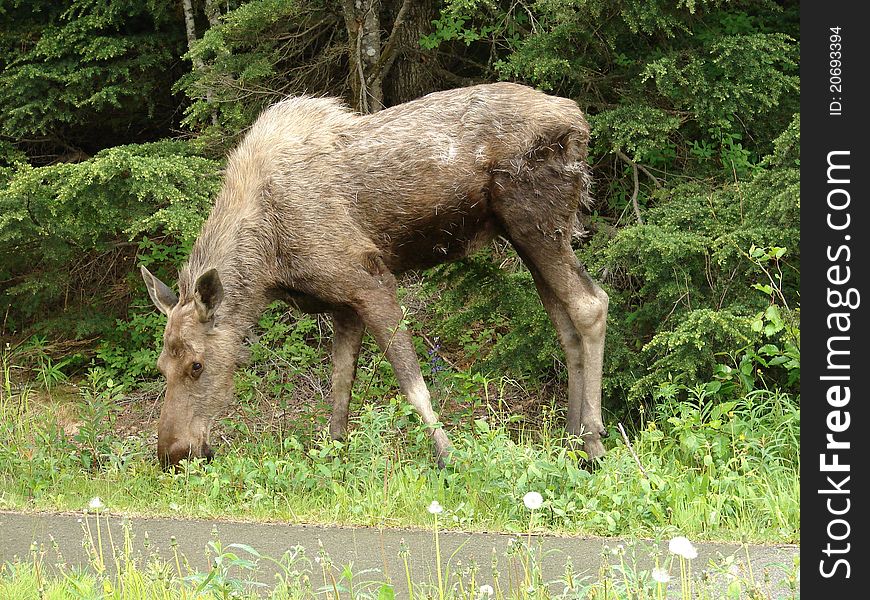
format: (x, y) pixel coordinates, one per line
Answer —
(443, 448)
(442, 456)
(337, 429)
(593, 447)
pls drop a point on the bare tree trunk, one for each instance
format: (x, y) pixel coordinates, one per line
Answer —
(212, 12)
(371, 59)
(362, 18)
(190, 25)
(414, 72)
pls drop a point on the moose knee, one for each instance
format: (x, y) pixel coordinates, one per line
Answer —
(591, 312)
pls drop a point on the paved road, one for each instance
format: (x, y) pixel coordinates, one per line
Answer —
(373, 551)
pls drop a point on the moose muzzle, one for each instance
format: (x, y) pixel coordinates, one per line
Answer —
(170, 453)
(179, 439)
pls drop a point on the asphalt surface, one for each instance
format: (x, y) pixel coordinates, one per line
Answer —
(374, 553)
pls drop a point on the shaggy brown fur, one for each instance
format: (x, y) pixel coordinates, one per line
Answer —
(323, 207)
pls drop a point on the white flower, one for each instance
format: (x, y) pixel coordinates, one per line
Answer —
(435, 508)
(660, 575)
(96, 504)
(533, 500)
(681, 546)
(487, 591)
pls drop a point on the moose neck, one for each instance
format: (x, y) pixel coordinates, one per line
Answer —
(233, 240)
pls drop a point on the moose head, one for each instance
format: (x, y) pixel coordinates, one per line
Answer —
(198, 359)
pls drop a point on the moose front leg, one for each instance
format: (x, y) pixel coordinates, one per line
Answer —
(382, 315)
(348, 332)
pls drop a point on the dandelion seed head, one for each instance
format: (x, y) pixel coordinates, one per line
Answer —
(660, 575)
(435, 508)
(533, 500)
(487, 591)
(681, 546)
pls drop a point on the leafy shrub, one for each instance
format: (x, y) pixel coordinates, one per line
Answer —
(76, 227)
(89, 70)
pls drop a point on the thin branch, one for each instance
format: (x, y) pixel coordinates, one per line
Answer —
(435, 349)
(363, 92)
(634, 201)
(646, 171)
(631, 449)
(389, 52)
(650, 175)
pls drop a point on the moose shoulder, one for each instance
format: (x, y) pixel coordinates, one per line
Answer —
(324, 207)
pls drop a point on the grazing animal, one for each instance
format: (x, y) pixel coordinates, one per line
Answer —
(322, 207)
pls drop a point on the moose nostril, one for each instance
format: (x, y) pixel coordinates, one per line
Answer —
(604, 433)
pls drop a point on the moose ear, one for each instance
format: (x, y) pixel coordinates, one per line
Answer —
(163, 297)
(208, 293)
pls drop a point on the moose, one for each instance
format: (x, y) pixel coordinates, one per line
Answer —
(323, 208)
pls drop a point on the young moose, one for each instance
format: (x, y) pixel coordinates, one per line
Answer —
(322, 208)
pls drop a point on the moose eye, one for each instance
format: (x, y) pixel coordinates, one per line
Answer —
(196, 368)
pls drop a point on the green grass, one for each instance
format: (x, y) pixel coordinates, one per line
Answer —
(711, 470)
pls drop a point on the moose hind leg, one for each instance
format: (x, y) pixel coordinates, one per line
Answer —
(570, 342)
(586, 306)
(348, 332)
(542, 238)
(382, 315)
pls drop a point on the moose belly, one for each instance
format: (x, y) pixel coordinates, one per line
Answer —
(424, 248)
(432, 231)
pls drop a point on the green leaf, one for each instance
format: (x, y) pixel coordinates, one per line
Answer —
(386, 592)
(711, 387)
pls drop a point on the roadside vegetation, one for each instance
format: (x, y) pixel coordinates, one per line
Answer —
(115, 570)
